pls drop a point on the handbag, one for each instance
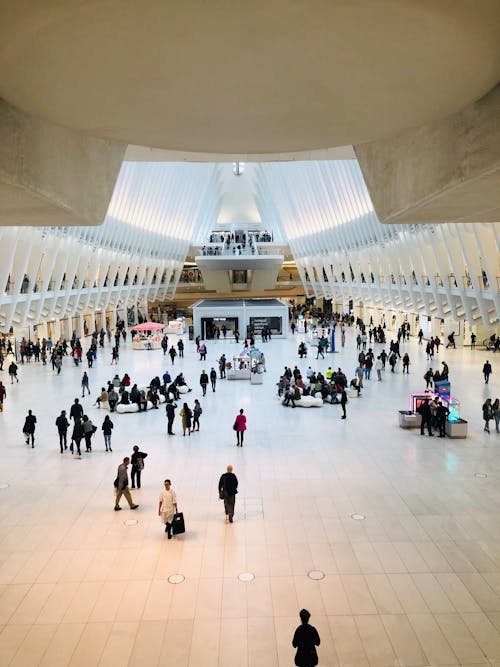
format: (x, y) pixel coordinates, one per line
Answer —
(115, 483)
(235, 427)
(178, 526)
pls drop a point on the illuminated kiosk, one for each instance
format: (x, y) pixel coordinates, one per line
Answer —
(456, 427)
(147, 336)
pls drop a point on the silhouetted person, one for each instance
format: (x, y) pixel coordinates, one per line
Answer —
(305, 640)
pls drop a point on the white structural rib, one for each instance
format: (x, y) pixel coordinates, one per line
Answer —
(343, 252)
(134, 257)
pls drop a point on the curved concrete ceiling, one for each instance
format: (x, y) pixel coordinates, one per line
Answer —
(267, 76)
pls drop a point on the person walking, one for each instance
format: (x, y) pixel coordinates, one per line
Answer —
(305, 640)
(213, 378)
(3, 395)
(85, 383)
(240, 426)
(107, 428)
(343, 402)
(180, 347)
(222, 366)
(204, 382)
(487, 414)
(406, 362)
(137, 466)
(62, 424)
(197, 412)
(203, 352)
(495, 407)
(29, 428)
(88, 431)
(186, 415)
(167, 507)
(228, 488)
(487, 370)
(172, 354)
(170, 410)
(76, 411)
(121, 486)
(378, 368)
(13, 372)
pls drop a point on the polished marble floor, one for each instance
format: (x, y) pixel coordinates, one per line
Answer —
(414, 583)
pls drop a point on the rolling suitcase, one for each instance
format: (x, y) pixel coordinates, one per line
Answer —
(178, 526)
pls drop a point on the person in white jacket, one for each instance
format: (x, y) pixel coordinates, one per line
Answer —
(378, 367)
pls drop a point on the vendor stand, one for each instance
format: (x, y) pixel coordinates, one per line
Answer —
(147, 336)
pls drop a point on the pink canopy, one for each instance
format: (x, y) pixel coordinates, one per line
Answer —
(148, 326)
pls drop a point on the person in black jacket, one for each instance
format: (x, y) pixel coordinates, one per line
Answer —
(213, 378)
(137, 461)
(62, 428)
(425, 411)
(76, 411)
(170, 410)
(204, 381)
(305, 640)
(77, 435)
(228, 488)
(29, 428)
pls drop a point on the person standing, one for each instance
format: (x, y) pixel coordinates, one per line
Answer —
(121, 486)
(305, 640)
(3, 395)
(240, 426)
(203, 352)
(213, 378)
(167, 507)
(107, 428)
(197, 412)
(85, 383)
(487, 414)
(186, 415)
(343, 402)
(473, 340)
(13, 372)
(378, 368)
(487, 370)
(62, 424)
(222, 366)
(424, 410)
(170, 410)
(204, 382)
(442, 413)
(137, 466)
(180, 347)
(228, 488)
(29, 428)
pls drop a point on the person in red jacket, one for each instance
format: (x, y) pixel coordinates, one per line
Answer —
(240, 426)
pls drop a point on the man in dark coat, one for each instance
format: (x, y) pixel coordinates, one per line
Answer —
(228, 488)
(62, 428)
(170, 410)
(204, 381)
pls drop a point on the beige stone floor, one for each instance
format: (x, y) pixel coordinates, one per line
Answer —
(417, 582)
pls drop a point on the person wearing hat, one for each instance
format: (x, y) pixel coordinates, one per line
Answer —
(305, 640)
